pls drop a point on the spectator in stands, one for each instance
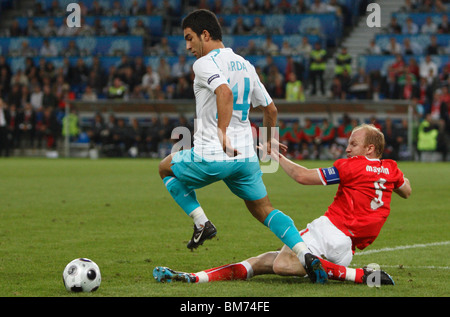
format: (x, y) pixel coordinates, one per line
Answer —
(31, 29)
(343, 61)
(183, 90)
(162, 48)
(373, 48)
(148, 8)
(294, 66)
(50, 30)
(294, 89)
(392, 146)
(27, 126)
(317, 6)
(122, 27)
(48, 49)
(237, 8)
(360, 84)
(291, 137)
(96, 9)
(428, 68)
(96, 129)
(89, 94)
(251, 49)
(137, 138)
(336, 90)
(36, 97)
(393, 48)
(434, 48)
(85, 29)
(47, 129)
(304, 48)
(310, 132)
(152, 136)
(287, 49)
(117, 90)
(393, 27)
(55, 9)
(410, 48)
(269, 47)
(258, 27)
(140, 29)
(164, 71)
(240, 27)
(117, 9)
(267, 7)
(98, 28)
(325, 139)
(150, 82)
(71, 50)
(180, 68)
(410, 27)
(444, 26)
(299, 7)
(283, 7)
(78, 73)
(65, 30)
(277, 89)
(165, 134)
(427, 137)
(15, 30)
(409, 6)
(26, 50)
(317, 67)
(429, 27)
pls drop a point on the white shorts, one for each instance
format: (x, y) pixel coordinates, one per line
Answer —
(328, 242)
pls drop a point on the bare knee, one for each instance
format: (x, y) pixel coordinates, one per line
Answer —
(164, 167)
(287, 264)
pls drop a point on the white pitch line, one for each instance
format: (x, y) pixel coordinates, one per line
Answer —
(429, 267)
(403, 247)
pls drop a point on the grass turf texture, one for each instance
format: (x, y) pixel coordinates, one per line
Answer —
(118, 213)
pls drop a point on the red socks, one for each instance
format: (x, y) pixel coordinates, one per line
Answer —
(235, 271)
(342, 273)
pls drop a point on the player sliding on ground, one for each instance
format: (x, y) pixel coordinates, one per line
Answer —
(225, 86)
(354, 219)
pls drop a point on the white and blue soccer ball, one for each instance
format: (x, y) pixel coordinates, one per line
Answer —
(82, 275)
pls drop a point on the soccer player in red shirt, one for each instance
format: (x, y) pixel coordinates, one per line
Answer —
(354, 219)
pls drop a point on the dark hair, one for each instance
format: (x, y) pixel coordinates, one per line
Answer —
(200, 20)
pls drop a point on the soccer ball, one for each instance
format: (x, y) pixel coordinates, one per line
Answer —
(82, 275)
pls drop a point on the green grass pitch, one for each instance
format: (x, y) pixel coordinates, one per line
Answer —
(118, 213)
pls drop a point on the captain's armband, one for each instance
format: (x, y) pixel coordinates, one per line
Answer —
(329, 175)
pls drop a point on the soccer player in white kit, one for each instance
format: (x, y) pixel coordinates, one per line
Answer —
(225, 87)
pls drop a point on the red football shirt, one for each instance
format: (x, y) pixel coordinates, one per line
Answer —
(362, 202)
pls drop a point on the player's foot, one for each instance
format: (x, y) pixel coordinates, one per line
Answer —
(314, 268)
(382, 277)
(164, 274)
(208, 231)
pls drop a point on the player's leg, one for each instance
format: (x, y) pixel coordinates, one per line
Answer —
(261, 264)
(284, 228)
(185, 196)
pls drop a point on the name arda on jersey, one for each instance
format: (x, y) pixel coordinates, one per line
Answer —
(234, 66)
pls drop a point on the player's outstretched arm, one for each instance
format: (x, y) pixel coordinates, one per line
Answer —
(300, 174)
(224, 99)
(405, 190)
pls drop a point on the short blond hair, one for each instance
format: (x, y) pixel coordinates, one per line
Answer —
(373, 136)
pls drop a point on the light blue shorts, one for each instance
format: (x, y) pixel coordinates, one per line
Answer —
(243, 177)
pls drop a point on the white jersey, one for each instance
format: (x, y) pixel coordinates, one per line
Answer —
(223, 66)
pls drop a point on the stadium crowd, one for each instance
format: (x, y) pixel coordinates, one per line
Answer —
(33, 98)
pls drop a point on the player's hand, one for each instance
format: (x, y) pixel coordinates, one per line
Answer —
(229, 149)
(273, 148)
